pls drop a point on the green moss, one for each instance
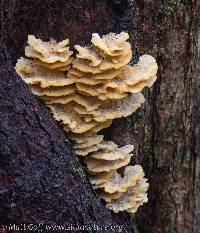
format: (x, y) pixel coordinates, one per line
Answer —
(164, 11)
(168, 9)
(79, 172)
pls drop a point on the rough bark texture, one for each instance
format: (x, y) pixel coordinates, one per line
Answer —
(164, 131)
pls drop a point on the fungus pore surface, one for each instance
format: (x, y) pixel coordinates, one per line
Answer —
(85, 93)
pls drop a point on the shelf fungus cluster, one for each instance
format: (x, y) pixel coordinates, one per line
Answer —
(86, 93)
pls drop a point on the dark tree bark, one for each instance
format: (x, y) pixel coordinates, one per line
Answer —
(41, 179)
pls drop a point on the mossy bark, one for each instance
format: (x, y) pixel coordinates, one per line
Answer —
(164, 131)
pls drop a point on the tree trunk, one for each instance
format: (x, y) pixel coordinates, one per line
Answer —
(41, 179)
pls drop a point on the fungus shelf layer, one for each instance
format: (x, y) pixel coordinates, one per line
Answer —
(86, 93)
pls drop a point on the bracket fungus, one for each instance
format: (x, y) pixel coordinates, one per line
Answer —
(86, 93)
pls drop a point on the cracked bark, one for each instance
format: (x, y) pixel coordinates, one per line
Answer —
(34, 154)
